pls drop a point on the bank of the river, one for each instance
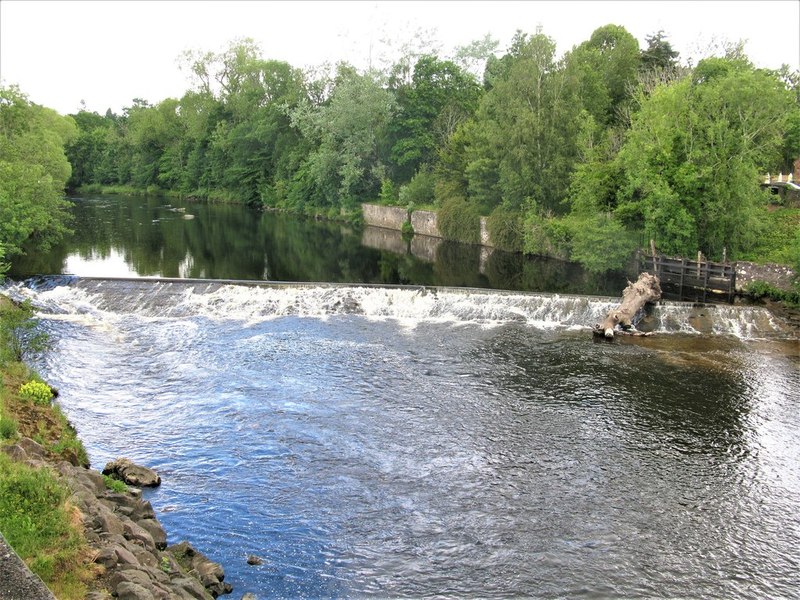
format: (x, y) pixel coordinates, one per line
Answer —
(85, 535)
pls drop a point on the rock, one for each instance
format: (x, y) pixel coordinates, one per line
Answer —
(249, 596)
(254, 560)
(138, 534)
(133, 591)
(210, 574)
(156, 531)
(131, 473)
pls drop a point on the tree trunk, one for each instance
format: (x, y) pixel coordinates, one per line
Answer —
(646, 289)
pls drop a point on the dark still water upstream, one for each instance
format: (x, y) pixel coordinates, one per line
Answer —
(124, 236)
(407, 442)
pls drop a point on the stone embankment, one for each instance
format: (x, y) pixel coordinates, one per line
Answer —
(129, 544)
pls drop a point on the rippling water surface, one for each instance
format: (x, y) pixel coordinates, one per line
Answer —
(406, 457)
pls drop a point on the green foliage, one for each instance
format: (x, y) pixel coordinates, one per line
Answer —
(407, 230)
(36, 392)
(547, 235)
(459, 221)
(33, 172)
(419, 191)
(34, 520)
(19, 333)
(689, 168)
(600, 243)
(115, 485)
(761, 289)
(389, 195)
(8, 427)
(506, 229)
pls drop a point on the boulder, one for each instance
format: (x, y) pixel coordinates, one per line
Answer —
(131, 473)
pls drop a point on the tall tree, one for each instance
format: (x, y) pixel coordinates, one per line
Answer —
(350, 135)
(439, 98)
(691, 162)
(33, 172)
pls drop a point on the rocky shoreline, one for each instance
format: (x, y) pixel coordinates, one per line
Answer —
(128, 544)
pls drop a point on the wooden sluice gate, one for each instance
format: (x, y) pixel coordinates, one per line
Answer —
(696, 280)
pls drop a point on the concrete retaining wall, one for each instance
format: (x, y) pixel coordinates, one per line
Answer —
(389, 217)
(425, 222)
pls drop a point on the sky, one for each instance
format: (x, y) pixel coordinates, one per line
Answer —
(105, 53)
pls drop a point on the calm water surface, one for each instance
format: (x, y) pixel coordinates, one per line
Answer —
(123, 236)
(437, 449)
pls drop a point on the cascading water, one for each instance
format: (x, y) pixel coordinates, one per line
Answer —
(416, 442)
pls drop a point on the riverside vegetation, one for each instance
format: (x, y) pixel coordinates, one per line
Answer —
(583, 156)
(87, 535)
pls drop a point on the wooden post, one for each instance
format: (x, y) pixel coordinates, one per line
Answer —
(653, 253)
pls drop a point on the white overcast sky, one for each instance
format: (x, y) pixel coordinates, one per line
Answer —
(109, 52)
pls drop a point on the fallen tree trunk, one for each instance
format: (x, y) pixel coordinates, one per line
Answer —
(646, 289)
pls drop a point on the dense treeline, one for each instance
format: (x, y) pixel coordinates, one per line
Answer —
(583, 156)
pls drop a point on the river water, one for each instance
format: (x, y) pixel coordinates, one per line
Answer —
(372, 441)
(410, 442)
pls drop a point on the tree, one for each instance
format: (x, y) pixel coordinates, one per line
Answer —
(33, 172)
(659, 54)
(522, 145)
(605, 67)
(349, 132)
(691, 162)
(439, 98)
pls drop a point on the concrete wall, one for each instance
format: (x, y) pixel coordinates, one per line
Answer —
(425, 222)
(389, 217)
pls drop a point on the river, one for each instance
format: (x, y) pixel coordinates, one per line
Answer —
(408, 441)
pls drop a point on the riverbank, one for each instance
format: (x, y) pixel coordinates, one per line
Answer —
(83, 534)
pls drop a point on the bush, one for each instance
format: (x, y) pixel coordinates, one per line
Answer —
(34, 520)
(115, 485)
(459, 221)
(37, 392)
(761, 289)
(419, 191)
(19, 336)
(600, 243)
(506, 229)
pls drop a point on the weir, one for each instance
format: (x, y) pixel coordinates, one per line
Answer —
(251, 301)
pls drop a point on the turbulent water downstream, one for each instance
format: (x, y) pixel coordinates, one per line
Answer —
(419, 442)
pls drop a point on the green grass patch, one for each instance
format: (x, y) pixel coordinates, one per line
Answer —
(43, 529)
(780, 242)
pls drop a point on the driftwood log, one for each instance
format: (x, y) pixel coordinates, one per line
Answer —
(644, 290)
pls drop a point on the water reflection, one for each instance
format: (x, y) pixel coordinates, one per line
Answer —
(135, 236)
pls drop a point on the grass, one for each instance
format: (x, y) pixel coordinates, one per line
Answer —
(36, 517)
(780, 243)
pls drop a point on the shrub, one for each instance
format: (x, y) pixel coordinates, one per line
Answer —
(459, 221)
(506, 229)
(419, 191)
(115, 485)
(37, 392)
(19, 336)
(600, 243)
(35, 521)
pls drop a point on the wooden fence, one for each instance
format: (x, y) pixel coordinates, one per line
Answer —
(693, 279)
